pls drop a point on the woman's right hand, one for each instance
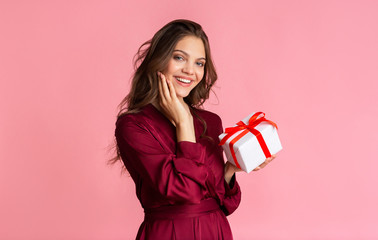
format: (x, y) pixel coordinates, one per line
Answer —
(176, 110)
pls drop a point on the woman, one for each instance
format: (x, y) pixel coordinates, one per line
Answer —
(170, 146)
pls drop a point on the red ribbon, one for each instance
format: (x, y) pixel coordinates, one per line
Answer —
(252, 123)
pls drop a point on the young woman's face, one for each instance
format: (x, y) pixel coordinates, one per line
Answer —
(187, 65)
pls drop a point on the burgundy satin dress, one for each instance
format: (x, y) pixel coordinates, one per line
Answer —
(180, 185)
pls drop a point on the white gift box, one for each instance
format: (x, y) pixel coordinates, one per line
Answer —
(248, 151)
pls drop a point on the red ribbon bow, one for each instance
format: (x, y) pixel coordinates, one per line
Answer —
(252, 123)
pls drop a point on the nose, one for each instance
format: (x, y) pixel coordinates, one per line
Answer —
(188, 68)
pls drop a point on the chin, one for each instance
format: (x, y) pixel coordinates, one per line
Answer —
(182, 95)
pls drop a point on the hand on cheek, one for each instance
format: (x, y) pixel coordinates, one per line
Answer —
(174, 108)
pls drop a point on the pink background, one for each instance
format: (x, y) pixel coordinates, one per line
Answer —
(311, 66)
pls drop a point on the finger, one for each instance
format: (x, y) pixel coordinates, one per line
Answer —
(172, 89)
(262, 165)
(160, 87)
(164, 87)
(268, 160)
(162, 97)
(256, 169)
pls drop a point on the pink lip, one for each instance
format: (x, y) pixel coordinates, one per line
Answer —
(184, 84)
(187, 78)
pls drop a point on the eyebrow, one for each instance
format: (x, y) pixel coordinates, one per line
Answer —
(186, 54)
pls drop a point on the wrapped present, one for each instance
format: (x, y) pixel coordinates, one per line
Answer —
(250, 142)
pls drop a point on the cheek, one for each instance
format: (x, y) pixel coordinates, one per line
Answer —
(200, 74)
(171, 68)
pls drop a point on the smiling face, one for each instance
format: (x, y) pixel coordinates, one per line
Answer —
(187, 65)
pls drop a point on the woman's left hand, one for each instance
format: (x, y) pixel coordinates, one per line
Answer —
(266, 162)
(229, 170)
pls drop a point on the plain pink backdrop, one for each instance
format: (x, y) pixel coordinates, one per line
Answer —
(311, 66)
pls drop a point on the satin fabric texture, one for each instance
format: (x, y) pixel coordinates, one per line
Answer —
(180, 185)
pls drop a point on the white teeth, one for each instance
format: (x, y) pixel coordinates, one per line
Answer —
(183, 80)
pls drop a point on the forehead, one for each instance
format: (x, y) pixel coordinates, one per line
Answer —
(192, 45)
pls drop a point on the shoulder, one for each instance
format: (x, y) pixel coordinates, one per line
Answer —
(130, 121)
(213, 121)
(209, 117)
(129, 118)
(147, 119)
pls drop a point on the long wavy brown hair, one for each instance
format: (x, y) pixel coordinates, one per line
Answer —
(153, 56)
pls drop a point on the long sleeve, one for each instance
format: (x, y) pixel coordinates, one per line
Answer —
(179, 177)
(232, 196)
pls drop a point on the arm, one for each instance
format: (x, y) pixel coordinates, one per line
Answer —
(179, 177)
(232, 196)
(176, 110)
(232, 193)
(229, 171)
